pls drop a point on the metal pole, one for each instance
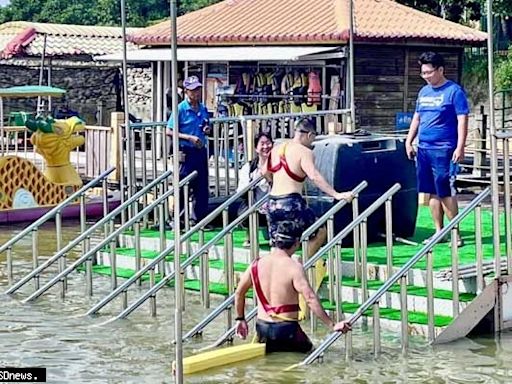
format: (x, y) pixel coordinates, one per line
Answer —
(41, 73)
(430, 296)
(506, 201)
(480, 282)
(352, 66)
(495, 199)
(130, 162)
(35, 255)
(176, 179)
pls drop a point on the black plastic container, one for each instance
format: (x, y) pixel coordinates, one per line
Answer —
(346, 160)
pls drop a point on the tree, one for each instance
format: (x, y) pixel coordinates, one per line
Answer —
(95, 12)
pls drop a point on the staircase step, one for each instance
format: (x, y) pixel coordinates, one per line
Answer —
(392, 314)
(190, 284)
(411, 289)
(414, 317)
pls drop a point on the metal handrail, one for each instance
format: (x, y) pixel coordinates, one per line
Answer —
(335, 208)
(51, 213)
(107, 240)
(248, 117)
(88, 232)
(400, 273)
(305, 235)
(311, 261)
(191, 259)
(112, 295)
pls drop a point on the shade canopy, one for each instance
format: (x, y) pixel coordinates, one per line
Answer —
(32, 91)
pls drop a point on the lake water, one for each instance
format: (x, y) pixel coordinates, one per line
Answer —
(53, 333)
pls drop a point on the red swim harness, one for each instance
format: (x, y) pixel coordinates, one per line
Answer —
(283, 164)
(263, 300)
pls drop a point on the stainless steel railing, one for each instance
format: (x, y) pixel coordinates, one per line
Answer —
(56, 213)
(188, 262)
(362, 218)
(326, 217)
(145, 147)
(400, 275)
(87, 257)
(86, 234)
(199, 227)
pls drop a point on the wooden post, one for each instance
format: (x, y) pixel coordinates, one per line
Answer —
(480, 145)
(116, 120)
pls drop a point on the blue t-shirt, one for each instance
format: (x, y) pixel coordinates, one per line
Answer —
(191, 122)
(438, 109)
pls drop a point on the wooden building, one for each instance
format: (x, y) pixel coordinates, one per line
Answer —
(388, 38)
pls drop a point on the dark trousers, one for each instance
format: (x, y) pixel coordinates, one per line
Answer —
(196, 160)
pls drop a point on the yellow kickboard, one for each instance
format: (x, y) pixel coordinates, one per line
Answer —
(320, 272)
(222, 356)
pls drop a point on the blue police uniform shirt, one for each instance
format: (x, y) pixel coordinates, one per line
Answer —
(438, 108)
(191, 122)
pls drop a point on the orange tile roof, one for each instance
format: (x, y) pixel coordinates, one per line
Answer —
(26, 38)
(306, 22)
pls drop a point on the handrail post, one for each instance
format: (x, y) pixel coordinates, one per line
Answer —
(506, 199)
(10, 275)
(113, 259)
(35, 256)
(204, 273)
(430, 296)
(105, 204)
(152, 298)
(332, 255)
(404, 314)
(138, 256)
(228, 263)
(339, 282)
(305, 256)
(58, 231)
(186, 216)
(389, 243)
(455, 270)
(163, 239)
(357, 238)
(376, 329)
(480, 282)
(216, 159)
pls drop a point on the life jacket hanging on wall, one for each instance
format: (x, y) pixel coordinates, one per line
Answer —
(314, 89)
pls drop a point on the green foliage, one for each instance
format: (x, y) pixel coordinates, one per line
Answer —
(503, 72)
(139, 13)
(475, 78)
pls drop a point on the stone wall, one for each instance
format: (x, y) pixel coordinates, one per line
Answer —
(139, 92)
(89, 89)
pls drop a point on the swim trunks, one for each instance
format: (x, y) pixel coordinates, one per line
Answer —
(284, 336)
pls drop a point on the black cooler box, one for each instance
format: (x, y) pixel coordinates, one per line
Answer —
(346, 160)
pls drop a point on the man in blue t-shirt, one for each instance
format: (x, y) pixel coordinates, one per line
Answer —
(441, 119)
(193, 127)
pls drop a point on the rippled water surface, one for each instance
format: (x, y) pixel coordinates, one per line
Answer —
(53, 333)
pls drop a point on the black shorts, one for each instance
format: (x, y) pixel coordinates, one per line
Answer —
(284, 336)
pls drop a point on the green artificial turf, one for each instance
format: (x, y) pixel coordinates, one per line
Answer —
(220, 289)
(401, 252)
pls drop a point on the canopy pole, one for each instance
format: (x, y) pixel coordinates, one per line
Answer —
(178, 281)
(495, 199)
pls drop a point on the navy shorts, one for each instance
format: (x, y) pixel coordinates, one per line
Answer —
(436, 172)
(291, 207)
(284, 336)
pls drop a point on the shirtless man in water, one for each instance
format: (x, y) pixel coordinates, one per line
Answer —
(288, 166)
(277, 280)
